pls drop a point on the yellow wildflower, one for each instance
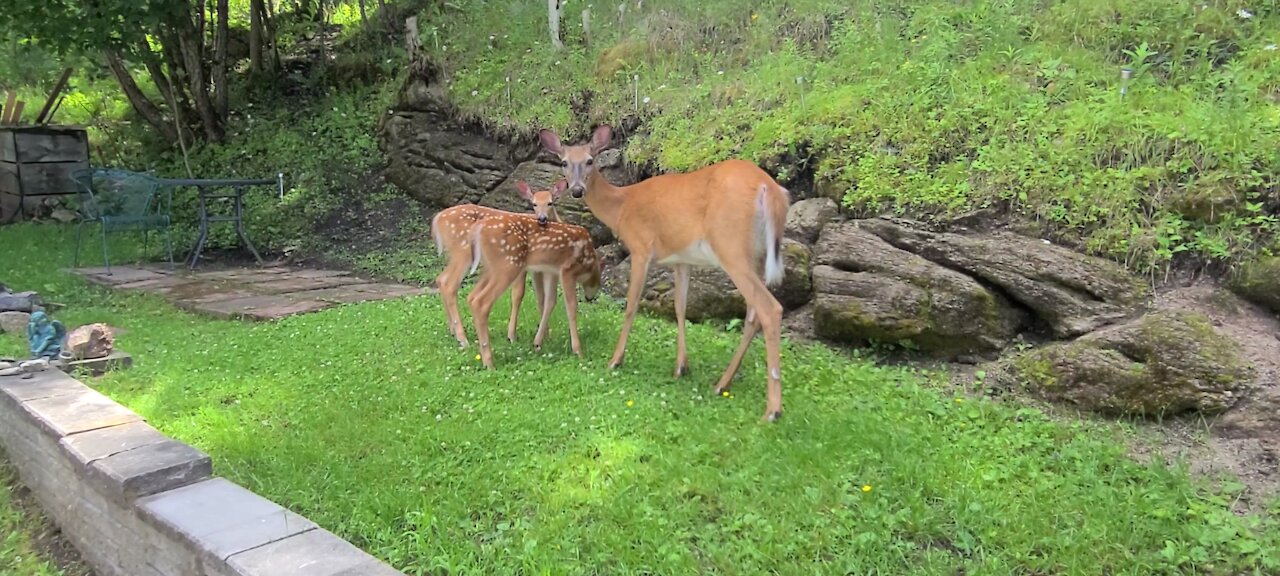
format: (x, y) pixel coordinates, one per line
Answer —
(477, 356)
(631, 403)
(725, 393)
(866, 487)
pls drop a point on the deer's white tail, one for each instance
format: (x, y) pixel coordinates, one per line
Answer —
(773, 222)
(475, 248)
(435, 234)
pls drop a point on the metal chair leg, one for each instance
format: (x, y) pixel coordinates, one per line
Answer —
(75, 263)
(168, 245)
(146, 238)
(106, 260)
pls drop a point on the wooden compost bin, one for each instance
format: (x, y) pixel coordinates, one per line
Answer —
(36, 163)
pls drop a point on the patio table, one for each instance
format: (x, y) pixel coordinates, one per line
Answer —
(215, 189)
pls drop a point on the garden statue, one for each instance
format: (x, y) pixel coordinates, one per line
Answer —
(45, 335)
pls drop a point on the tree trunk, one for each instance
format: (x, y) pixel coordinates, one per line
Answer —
(382, 12)
(269, 26)
(553, 21)
(220, 61)
(199, 91)
(138, 100)
(255, 36)
(364, 20)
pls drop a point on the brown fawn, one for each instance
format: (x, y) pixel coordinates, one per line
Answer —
(451, 230)
(509, 245)
(729, 215)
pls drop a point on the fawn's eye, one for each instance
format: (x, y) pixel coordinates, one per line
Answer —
(564, 163)
(590, 161)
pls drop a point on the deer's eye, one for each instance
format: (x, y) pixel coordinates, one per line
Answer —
(564, 163)
(590, 161)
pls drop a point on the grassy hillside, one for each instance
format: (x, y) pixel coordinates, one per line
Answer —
(931, 107)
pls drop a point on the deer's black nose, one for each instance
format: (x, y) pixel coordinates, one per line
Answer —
(542, 220)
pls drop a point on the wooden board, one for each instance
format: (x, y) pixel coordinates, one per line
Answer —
(8, 151)
(39, 179)
(37, 145)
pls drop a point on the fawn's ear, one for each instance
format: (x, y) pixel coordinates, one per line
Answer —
(550, 142)
(523, 189)
(600, 138)
(558, 188)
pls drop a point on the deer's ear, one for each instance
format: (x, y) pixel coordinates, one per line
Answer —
(523, 189)
(550, 142)
(600, 138)
(559, 188)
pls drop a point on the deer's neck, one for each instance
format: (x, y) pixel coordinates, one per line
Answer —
(604, 199)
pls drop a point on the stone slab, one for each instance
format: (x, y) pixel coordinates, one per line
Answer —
(45, 384)
(151, 469)
(314, 553)
(119, 275)
(79, 412)
(216, 294)
(311, 273)
(222, 517)
(116, 360)
(87, 447)
(150, 285)
(265, 307)
(360, 293)
(291, 284)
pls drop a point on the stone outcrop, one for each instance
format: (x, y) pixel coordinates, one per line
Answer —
(866, 290)
(1162, 364)
(1070, 292)
(1259, 282)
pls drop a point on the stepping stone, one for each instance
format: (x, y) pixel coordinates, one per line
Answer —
(150, 285)
(263, 307)
(119, 275)
(360, 292)
(318, 273)
(289, 284)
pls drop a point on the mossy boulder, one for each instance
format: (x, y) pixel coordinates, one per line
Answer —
(1259, 282)
(1069, 292)
(866, 290)
(711, 294)
(1163, 364)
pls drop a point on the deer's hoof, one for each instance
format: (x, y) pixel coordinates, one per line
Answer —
(683, 370)
(772, 416)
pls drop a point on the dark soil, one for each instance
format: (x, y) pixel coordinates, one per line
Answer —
(46, 537)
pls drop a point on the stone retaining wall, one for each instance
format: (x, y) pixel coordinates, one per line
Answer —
(137, 503)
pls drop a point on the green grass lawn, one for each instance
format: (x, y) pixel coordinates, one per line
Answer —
(369, 420)
(19, 554)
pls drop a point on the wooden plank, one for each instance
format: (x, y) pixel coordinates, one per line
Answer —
(41, 179)
(46, 113)
(8, 105)
(51, 146)
(16, 116)
(8, 150)
(9, 207)
(9, 179)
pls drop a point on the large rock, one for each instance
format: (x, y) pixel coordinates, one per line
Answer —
(441, 168)
(867, 290)
(91, 341)
(19, 301)
(1259, 282)
(711, 294)
(1162, 364)
(541, 176)
(806, 218)
(12, 322)
(1072, 293)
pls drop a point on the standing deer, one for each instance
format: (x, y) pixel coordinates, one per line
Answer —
(509, 245)
(451, 230)
(730, 214)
